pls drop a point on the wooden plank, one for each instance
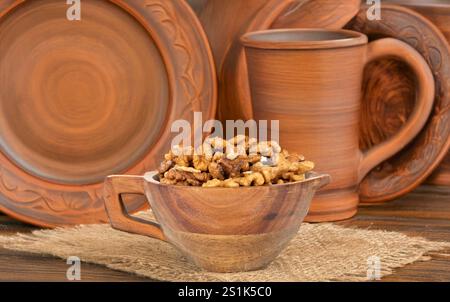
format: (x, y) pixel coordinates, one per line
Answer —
(425, 213)
(19, 266)
(436, 270)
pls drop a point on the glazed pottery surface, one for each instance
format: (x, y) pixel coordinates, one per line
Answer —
(438, 12)
(390, 94)
(219, 229)
(80, 100)
(311, 81)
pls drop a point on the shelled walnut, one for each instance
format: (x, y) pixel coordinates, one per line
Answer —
(238, 162)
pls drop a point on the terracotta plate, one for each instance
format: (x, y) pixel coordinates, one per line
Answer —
(441, 176)
(389, 95)
(80, 100)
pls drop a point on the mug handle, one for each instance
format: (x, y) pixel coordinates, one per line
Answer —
(389, 47)
(114, 186)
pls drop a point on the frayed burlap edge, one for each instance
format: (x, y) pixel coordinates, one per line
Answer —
(319, 252)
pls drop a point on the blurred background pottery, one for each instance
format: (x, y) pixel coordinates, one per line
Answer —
(310, 80)
(383, 113)
(388, 100)
(438, 12)
(226, 21)
(218, 229)
(330, 14)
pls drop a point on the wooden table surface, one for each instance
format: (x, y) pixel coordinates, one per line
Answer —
(425, 212)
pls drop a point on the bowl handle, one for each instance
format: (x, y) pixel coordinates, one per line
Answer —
(114, 186)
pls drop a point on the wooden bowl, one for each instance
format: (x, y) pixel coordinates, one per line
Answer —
(219, 229)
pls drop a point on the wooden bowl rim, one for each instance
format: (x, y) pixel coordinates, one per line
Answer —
(149, 177)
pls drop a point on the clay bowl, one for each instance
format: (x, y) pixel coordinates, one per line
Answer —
(438, 12)
(218, 229)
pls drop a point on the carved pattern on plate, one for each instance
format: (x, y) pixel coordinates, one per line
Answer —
(405, 171)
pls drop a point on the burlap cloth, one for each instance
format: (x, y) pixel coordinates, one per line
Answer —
(319, 252)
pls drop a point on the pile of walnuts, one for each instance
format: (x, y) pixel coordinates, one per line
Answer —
(238, 162)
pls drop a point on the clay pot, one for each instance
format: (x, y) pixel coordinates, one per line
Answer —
(311, 81)
(219, 229)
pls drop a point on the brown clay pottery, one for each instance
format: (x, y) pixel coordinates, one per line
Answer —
(388, 101)
(441, 176)
(317, 13)
(226, 21)
(310, 80)
(438, 12)
(219, 229)
(80, 100)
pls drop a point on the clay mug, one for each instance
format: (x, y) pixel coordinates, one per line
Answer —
(219, 229)
(310, 80)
